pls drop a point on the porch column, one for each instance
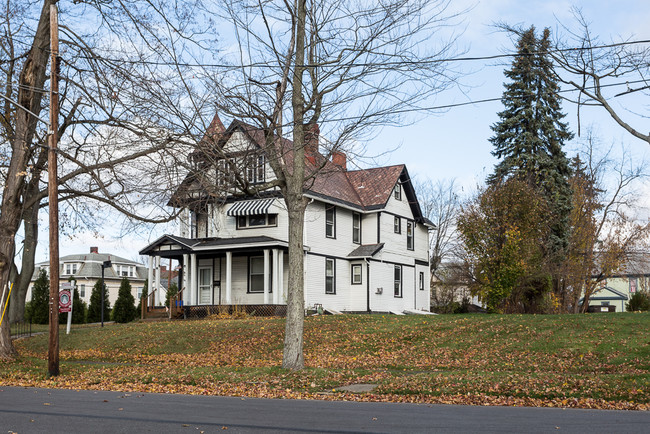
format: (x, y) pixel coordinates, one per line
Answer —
(150, 279)
(186, 260)
(280, 277)
(228, 277)
(275, 277)
(157, 279)
(192, 287)
(266, 277)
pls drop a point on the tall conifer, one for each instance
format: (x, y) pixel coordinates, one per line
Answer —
(95, 307)
(530, 134)
(39, 306)
(124, 309)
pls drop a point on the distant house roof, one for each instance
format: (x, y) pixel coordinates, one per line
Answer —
(636, 264)
(606, 293)
(91, 265)
(364, 189)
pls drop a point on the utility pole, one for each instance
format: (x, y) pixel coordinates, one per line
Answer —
(105, 264)
(52, 188)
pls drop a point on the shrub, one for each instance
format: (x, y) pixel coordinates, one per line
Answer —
(171, 292)
(39, 306)
(79, 308)
(95, 309)
(124, 310)
(638, 302)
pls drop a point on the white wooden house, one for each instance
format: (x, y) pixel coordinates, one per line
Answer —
(365, 238)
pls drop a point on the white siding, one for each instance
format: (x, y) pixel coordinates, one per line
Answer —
(225, 226)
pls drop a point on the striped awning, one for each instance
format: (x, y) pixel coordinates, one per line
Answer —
(250, 207)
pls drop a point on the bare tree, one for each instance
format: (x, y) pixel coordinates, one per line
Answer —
(606, 231)
(598, 70)
(340, 67)
(441, 203)
(124, 119)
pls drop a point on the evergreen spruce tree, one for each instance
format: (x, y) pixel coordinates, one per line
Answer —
(38, 307)
(530, 134)
(172, 290)
(79, 308)
(124, 309)
(528, 139)
(95, 307)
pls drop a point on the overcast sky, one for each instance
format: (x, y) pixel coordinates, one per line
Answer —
(454, 143)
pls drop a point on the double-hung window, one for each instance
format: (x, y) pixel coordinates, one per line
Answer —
(397, 225)
(409, 235)
(330, 221)
(259, 220)
(222, 173)
(398, 281)
(356, 274)
(356, 228)
(256, 274)
(255, 169)
(398, 191)
(193, 225)
(330, 276)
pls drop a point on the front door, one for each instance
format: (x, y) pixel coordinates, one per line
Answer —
(205, 285)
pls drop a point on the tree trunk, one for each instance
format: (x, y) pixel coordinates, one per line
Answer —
(19, 293)
(293, 339)
(32, 79)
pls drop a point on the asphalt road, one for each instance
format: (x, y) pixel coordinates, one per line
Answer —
(30, 410)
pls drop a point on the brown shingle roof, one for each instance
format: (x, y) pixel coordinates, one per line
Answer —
(374, 186)
(365, 189)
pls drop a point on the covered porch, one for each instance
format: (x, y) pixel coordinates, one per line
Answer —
(217, 272)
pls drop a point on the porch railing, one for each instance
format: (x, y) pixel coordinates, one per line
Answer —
(204, 311)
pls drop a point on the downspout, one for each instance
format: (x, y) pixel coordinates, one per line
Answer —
(415, 287)
(379, 227)
(367, 285)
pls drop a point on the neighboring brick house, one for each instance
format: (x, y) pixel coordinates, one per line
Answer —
(365, 238)
(87, 270)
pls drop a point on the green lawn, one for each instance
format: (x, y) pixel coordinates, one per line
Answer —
(589, 361)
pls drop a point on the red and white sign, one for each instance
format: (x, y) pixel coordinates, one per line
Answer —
(65, 301)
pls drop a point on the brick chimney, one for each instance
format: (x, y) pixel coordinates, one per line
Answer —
(339, 159)
(312, 135)
(94, 250)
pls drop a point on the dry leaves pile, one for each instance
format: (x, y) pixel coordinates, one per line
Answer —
(557, 361)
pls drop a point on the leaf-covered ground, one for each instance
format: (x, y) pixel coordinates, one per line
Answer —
(586, 361)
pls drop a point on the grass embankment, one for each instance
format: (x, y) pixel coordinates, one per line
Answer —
(588, 361)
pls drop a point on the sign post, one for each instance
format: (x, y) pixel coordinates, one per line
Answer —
(65, 302)
(66, 299)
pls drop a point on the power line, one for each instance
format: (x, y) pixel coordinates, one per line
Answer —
(409, 63)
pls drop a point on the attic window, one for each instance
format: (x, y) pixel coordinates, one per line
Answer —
(255, 169)
(223, 173)
(330, 221)
(398, 191)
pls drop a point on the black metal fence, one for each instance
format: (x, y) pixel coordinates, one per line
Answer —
(20, 329)
(235, 310)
